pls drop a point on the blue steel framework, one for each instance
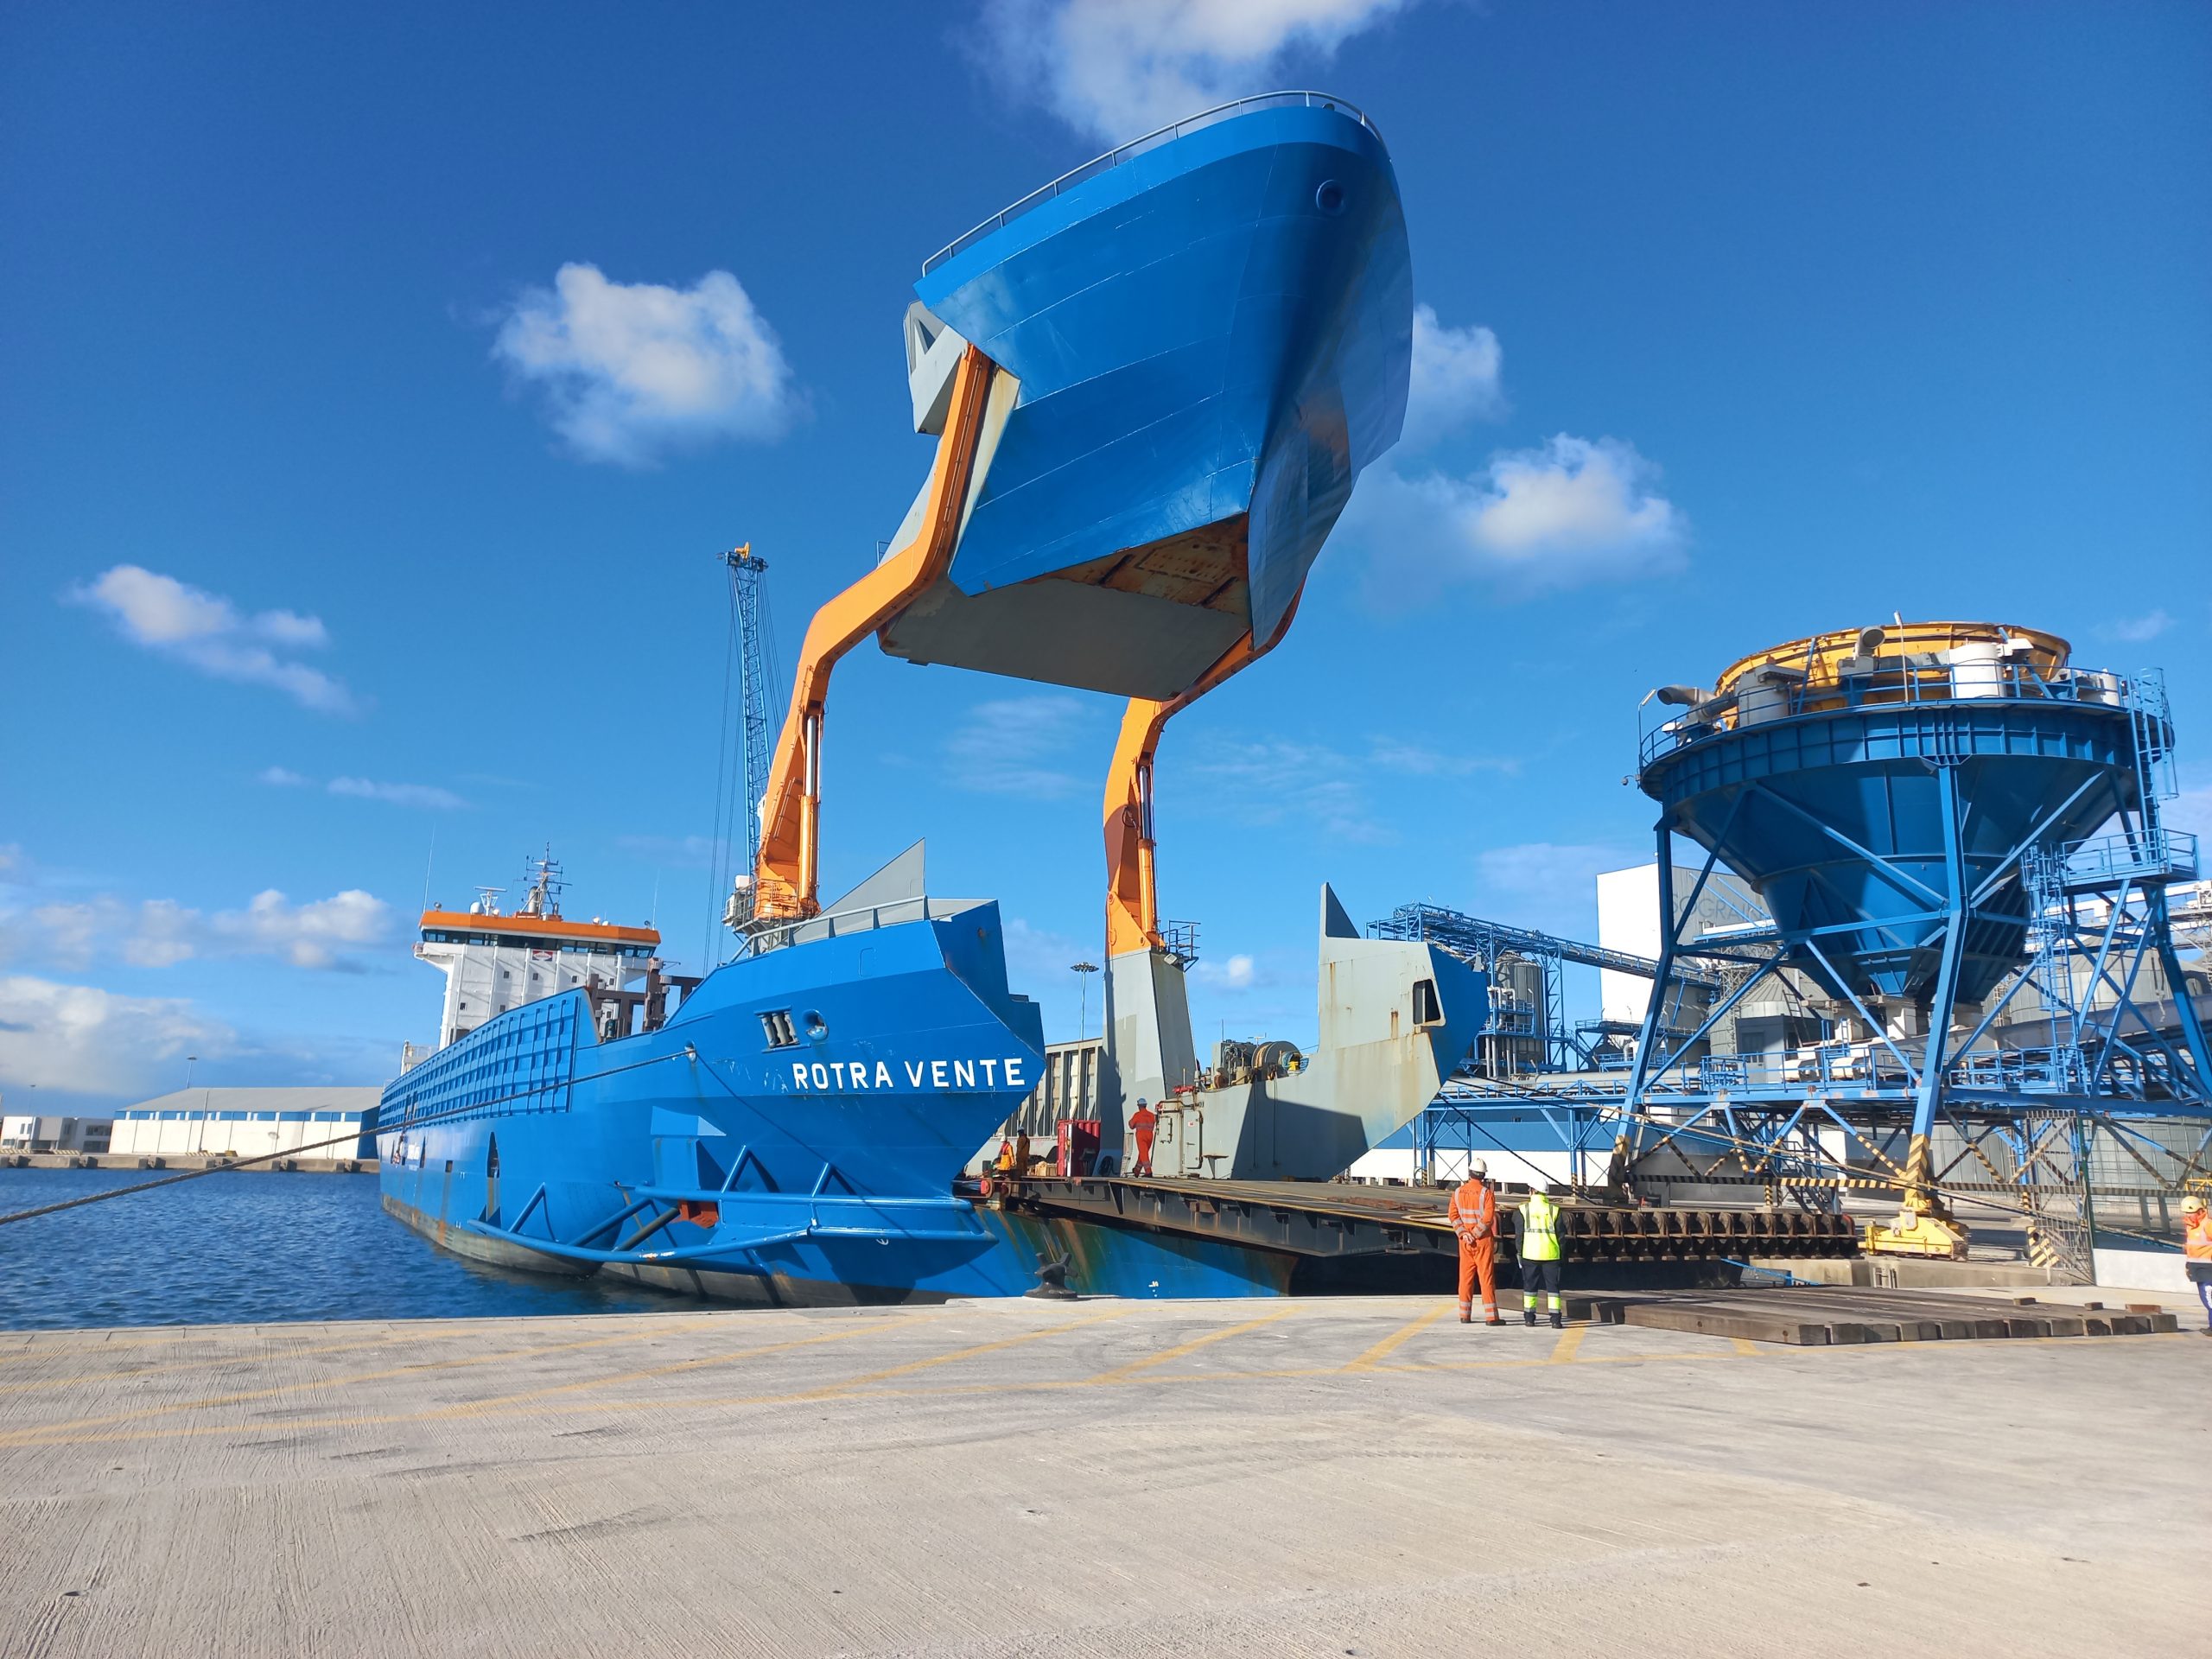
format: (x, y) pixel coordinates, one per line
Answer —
(2089, 913)
(2097, 904)
(1482, 943)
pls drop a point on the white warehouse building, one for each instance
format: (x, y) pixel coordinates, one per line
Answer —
(250, 1123)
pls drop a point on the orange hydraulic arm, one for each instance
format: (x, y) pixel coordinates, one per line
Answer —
(1132, 898)
(785, 879)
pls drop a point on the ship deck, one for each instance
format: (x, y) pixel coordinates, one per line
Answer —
(1317, 1476)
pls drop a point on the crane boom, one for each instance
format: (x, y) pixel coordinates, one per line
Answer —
(745, 570)
(1132, 895)
(786, 871)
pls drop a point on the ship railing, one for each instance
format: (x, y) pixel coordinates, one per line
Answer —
(1777, 692)
(864, 920)
(1136, 147)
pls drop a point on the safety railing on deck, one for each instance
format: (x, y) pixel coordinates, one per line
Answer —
(1777, 691)
(1136, 147)
(837, 924)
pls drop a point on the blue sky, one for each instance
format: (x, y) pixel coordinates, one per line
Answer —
(334, 518)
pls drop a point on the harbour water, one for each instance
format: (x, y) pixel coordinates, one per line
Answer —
(244, 1248)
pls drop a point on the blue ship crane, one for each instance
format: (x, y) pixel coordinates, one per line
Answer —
(752, 645)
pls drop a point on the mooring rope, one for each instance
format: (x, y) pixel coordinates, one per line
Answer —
(686, 1052)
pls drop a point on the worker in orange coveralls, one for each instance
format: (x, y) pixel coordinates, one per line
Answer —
(1140, 1124)
(1473, 1216)
(2196, 1245)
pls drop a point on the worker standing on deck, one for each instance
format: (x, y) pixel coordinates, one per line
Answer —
(2196, 1243)
(1473, 1215)
(1539, 1257)
(1140, 1124)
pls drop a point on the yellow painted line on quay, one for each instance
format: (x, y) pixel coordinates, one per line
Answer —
(910, 1366)
(1190, 1347)
(472, 1408)
(857, 1389)
(170, 1369)
(1391, 1344)
(31, 1433)
(1563, 1350)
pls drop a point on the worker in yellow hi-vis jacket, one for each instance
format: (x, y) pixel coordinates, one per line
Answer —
(1539, 1257)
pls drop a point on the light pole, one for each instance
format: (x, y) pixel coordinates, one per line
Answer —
(1083, 971)
(190, 1060)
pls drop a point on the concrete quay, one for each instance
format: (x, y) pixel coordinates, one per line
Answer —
(173, 1162)
(1356, 1476)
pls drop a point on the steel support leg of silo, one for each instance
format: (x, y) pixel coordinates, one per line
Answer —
(1924, 1226)
(2192, 1028)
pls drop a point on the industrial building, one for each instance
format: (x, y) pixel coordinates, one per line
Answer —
(249, 1123)
(36, 1132)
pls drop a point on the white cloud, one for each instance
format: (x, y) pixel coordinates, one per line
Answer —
(1419, 761)
(2137, 630)
(427, 795)
(207, 632)
(1116, 69)
(1577, 502)
(1231, 973)
(1570, 512)
(2191, 811)
(679, 852)
(80, 1039)
(1039, 957)
(632, 371)
(1269, 781)
(1006, 744)
(1455, 379)
(160, 932)
(1551, 886)
(308, 936)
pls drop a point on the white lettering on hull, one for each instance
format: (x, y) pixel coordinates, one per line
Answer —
(853, 1077)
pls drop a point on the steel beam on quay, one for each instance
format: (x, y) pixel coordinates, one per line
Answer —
(1337, 1221)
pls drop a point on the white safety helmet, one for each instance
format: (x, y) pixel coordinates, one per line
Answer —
(1476, 1166)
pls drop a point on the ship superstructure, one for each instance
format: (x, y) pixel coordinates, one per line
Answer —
(495, 960)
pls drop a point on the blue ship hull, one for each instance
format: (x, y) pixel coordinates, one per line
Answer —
(708, 1157)
(1213, 334)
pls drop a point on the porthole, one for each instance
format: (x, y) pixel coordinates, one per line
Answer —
(1330, 198)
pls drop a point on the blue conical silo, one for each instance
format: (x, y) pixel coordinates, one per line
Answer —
(1880, 788)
